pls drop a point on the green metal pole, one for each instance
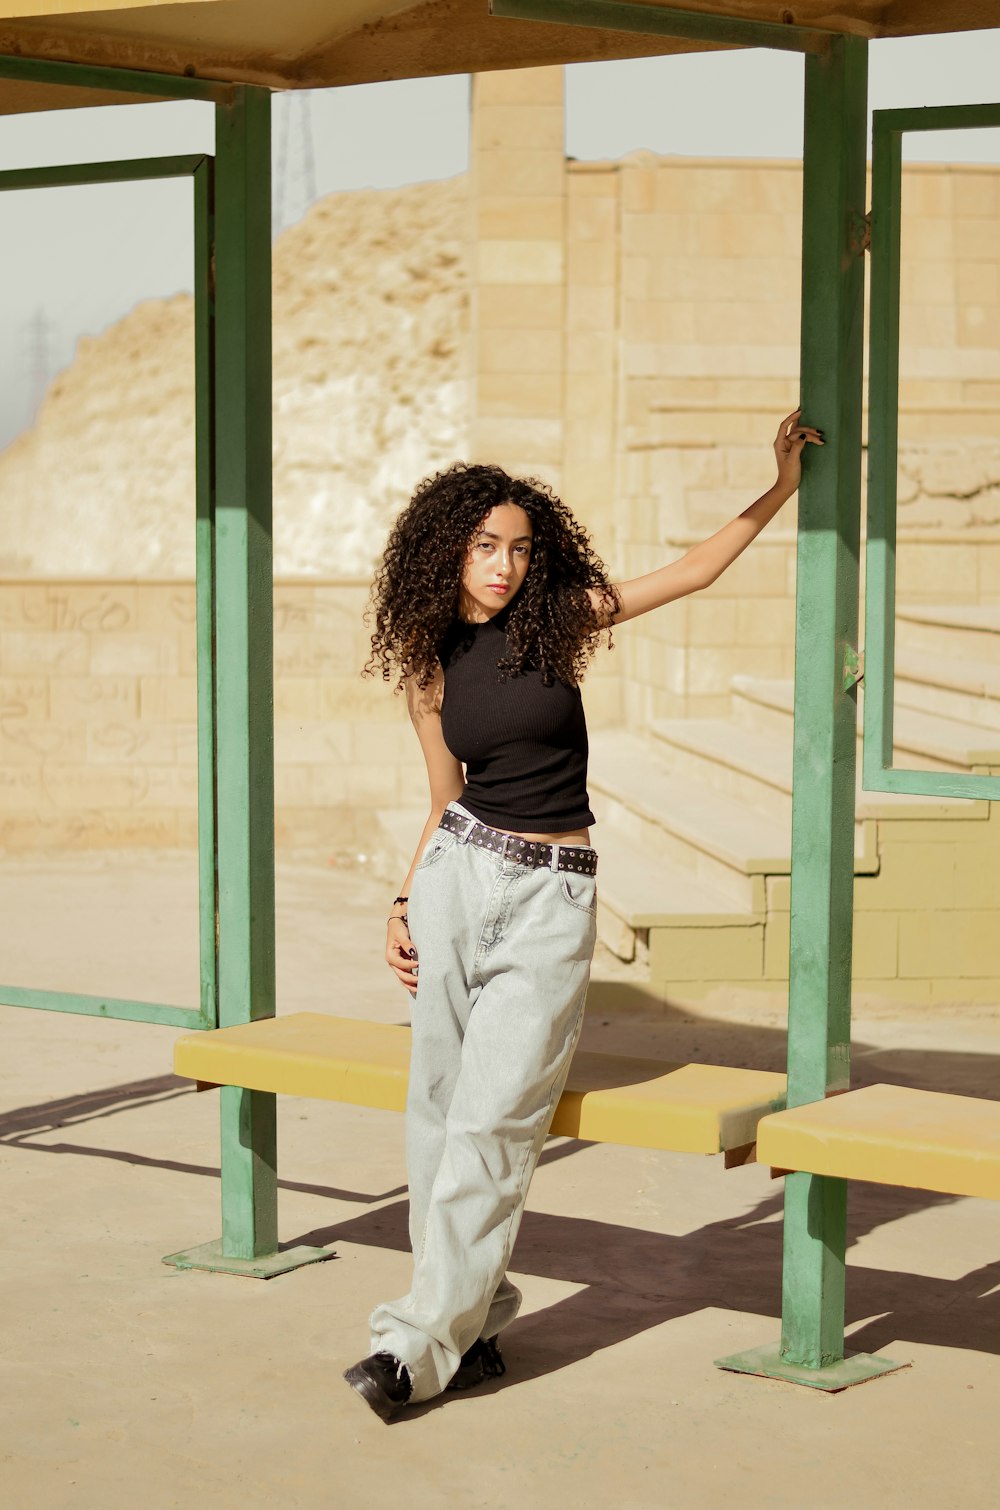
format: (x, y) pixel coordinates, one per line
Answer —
(825, 714)
(204, 367)
(243, 628)
(819, 1009)
(819, 1005)
(244, 681)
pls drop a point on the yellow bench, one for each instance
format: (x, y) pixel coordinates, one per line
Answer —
(643, 1103)
(891, 1135)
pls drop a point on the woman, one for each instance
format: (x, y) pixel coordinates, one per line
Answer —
(488, 605)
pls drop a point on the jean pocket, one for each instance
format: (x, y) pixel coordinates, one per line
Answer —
(437, 845)
(579, 891)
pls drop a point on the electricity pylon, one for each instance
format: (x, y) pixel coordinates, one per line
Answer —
(39, 363)
(294, 160)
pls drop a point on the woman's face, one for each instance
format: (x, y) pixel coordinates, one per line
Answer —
(497, 563)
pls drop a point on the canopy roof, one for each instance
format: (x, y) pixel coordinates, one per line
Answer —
(317, 43)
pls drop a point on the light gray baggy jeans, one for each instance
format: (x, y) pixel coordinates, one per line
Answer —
(504, 955)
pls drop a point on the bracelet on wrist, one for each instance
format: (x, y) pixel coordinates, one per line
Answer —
(399, 917)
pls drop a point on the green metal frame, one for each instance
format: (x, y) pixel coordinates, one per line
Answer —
(148, 85)
(200, 170)
(235, 620)
(879, 774)
(661, 21)
(244, 697)
(811, 1349)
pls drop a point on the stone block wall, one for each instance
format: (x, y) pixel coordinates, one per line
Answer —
(674, 343)
(518, 208)
(98, 742)
(633, 340)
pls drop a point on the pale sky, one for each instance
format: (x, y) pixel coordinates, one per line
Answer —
(76, 260)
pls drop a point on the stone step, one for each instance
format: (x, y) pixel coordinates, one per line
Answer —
(638, 891)
(750, 765)
(717, 839)
(923, 738)
(964, 691)
(959, 631)
(967, 690)
(732, 757)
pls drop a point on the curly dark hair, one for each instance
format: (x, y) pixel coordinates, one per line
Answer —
(552, 626)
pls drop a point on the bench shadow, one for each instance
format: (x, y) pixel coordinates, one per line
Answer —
(623, 1018)
(634, 1280)
(18, 1129)
(86, 1106)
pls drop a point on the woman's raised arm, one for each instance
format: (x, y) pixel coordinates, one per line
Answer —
(704, 563)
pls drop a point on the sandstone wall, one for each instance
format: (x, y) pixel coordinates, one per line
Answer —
(98, 717)
(708, 357)
(647, 384)
(627, 331)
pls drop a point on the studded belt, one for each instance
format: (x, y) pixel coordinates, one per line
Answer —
(530, 852)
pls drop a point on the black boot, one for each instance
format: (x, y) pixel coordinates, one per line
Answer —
(383, 1382)
(482, 1361)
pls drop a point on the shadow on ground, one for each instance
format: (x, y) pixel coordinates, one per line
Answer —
(622, 1018)
(634, 1279)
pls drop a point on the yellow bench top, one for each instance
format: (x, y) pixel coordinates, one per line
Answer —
(891, 1135)
(645, 1103)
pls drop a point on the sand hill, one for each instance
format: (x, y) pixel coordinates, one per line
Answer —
(370, 392)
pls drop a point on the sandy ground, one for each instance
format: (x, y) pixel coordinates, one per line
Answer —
(126, 1382)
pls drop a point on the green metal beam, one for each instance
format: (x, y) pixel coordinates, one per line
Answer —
(116, 1007)
(73, 175)
(199, 169)
(243, 649)
(659, 21)
(204, 399)
(160, 86)
(938, 118)
(834, 161)
(883, 426)
(819, 1009)
(883, 446)
(972, 786)
(240, 337)
(826, 716)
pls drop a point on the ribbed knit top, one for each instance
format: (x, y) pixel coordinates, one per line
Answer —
(523, 745)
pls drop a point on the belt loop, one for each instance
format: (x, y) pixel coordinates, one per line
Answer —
(464, 838)
(554, 861)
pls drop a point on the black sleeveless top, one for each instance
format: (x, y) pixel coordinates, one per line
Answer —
(523, 745)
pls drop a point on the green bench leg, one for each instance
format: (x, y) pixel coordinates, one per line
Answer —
(249, 1244)
(819, 1020)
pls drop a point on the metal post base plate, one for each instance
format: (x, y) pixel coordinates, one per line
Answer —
(211, 1257)
(853, 1368)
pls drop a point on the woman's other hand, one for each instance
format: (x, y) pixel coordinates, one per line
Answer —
(788, 446)
(400, 955)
